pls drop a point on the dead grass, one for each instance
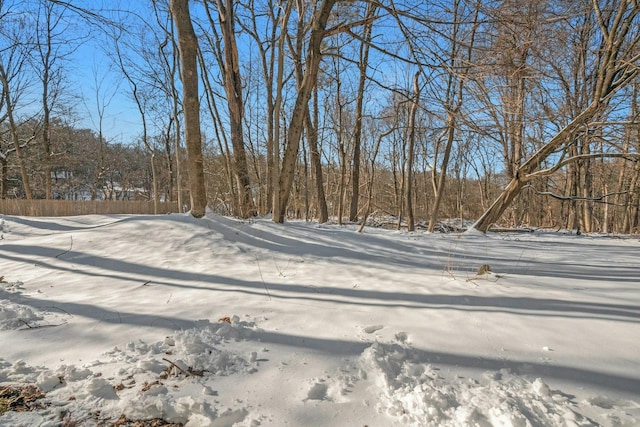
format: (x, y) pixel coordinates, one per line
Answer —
(25, 398)
(19, 399)
(156, 422)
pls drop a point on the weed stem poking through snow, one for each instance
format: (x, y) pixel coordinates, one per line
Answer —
(262, 278)
(68, 250)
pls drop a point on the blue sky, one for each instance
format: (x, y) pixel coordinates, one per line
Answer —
(121, 122)
(93, 78)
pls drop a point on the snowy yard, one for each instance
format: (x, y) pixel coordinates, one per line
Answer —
(218, 322)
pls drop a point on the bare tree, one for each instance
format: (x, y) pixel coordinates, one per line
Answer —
(270, 42)
(314, 56)
(457, 69)
(616, 59)
(103, 98)
(13, 61)
(53, 47)
(169, 56)
(311, 123)
(141, 100)
(188, 47)
(363, 65)
(411, 143)
(233, 89)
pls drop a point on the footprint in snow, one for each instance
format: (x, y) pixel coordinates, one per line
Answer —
(318, 391)
(373, 328)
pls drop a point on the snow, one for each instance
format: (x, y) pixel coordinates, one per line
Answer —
(222, 322)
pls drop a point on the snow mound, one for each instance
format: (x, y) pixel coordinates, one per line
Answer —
(414, 392)
(170, 379)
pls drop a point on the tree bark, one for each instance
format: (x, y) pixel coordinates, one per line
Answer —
(4, 180)
(188, 46)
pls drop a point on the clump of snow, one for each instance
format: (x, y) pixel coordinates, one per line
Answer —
(16, 316)
(373, 328)
(414, 392)
(471, 231)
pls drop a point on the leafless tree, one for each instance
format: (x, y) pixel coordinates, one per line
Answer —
(320, 18)
(52, 49)
(234, 91)
(616, 65)
(13, 63)
(188, 47)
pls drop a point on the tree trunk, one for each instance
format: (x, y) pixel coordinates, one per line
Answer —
(442, 176)
(357, 132)
(233, 89)
(514, 187)
(631, 212)
(285, 181)
(221, 137)
(188, 46)
(4, 180)
(46, 140)
(410, 152)
(13, 130)
(175, 113)
(316, 163)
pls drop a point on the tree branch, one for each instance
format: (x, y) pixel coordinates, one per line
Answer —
(561, 163)
(599, 199)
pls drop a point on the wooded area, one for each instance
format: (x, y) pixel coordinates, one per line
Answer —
(509, 112)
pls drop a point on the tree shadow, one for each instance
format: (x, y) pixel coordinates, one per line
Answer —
(101, 314)
(127, 271)
(458, 362)
(344, 348)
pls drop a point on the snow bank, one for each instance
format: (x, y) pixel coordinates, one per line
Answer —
(415, 393)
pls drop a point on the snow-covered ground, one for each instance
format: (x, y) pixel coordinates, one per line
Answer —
(220, 322)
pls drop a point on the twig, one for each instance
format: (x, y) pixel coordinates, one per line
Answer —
(261, 277)
(26, 323)
(41, 326)
(177, 367)
(58, 308)
(281, 272)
